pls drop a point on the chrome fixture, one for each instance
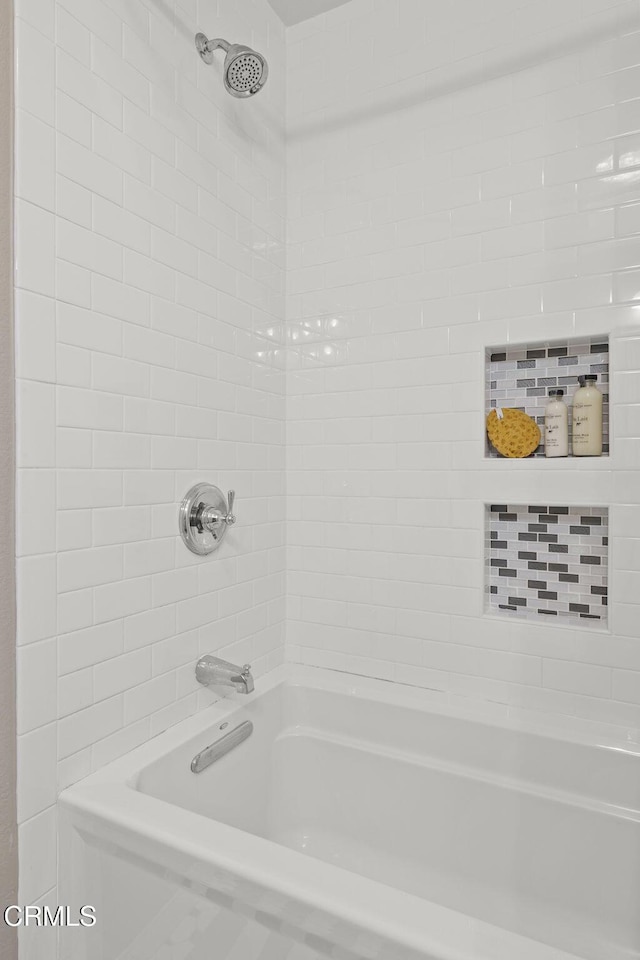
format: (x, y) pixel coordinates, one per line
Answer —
(212, 670)
(218, 749)
(205, 516)
(245, 71)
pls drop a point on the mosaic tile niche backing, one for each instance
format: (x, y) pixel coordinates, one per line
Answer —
(522, 376)
(548, 562)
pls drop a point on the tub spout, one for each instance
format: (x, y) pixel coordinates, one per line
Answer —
(212, 670)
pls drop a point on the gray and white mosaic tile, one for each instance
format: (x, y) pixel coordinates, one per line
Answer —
(548, 562)
(521, 377)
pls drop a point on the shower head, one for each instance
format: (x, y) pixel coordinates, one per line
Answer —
(245, 71)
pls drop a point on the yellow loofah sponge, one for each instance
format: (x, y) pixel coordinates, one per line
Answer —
(515, 435)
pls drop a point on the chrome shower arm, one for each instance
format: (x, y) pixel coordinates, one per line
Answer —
(206, 47)
(218, 43)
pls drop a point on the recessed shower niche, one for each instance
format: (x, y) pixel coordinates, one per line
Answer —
(547, 562)
(520, 376)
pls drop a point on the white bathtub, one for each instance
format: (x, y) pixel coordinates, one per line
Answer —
(357, 821)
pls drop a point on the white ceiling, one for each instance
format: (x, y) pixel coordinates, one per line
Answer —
(294, 11)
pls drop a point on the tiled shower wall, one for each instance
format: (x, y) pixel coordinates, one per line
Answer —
(150, 229)
(461, 175)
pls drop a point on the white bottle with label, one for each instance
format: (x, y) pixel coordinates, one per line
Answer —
(556, 426)
(587, 418)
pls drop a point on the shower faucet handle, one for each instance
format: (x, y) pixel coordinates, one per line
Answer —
(212, 517)
(205, 516)
(230, 517)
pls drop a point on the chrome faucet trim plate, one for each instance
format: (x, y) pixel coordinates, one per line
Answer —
(205, 516)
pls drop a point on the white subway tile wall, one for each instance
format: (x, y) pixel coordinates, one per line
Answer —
(149, 315)
(461, 175)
